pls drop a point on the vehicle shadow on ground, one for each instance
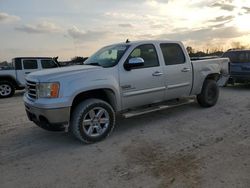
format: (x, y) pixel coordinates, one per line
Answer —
(152, 119)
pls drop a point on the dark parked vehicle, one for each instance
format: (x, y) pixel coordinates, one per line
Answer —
(239, 65)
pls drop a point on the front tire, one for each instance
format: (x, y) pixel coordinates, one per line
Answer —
(92, 120)
(7, 89)
(209, 94)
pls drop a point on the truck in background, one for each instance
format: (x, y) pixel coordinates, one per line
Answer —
(239, 66)
(13, 77)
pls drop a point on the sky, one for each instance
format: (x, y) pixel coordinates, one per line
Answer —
(68, 28)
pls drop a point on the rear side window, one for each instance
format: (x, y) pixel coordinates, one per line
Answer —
(48, 63)
(172, 54)
(30, 64)
(238, 57)
(148, 53)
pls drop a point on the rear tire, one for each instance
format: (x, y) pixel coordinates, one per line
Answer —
(209, 94)
(92, 120)
(7, 89)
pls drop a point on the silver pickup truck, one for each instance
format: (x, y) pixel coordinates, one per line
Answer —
(128, 79)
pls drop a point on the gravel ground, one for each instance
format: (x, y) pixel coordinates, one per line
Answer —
(188, 146)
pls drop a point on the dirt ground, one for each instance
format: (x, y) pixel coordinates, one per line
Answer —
(188, 146)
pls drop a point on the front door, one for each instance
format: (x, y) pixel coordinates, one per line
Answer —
(142, 85)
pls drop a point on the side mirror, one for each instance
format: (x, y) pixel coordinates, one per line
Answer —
(134, 62)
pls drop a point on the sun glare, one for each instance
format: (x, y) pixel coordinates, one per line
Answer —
(242, 22)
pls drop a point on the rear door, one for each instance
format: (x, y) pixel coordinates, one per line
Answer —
(28, 66)
(177, 70)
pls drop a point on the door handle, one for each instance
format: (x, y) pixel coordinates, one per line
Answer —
(185, 69)
(157, 73)
(27, 72)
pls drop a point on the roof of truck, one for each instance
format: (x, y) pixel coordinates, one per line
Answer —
(33, 58)
(148, 41)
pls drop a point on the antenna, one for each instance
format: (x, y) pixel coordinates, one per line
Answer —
(127, 41)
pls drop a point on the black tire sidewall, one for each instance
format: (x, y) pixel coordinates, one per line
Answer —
(11, 86)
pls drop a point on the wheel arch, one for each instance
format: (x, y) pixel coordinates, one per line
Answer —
(9, 79)
(105, 94)
(213, 76)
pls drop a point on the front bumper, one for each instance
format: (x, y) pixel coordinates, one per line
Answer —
(46, 115)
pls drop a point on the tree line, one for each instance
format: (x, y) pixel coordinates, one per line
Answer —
(215, 51)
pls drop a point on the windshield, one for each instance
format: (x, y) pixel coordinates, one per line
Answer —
(107, 56)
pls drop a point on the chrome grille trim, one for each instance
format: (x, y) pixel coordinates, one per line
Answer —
(31, 89)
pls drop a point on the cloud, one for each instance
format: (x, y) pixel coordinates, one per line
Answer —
(80, 35)
(44, 27)
(119, 15)
(247, 9)
(218, 25)
(222, 19)
(125, 25)
(157, 26)
(205, 34)
(6, 18)
(157, 1)
(224, 6)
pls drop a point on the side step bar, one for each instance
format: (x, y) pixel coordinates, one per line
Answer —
(154, 109)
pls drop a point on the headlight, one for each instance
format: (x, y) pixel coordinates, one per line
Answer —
(48, 90)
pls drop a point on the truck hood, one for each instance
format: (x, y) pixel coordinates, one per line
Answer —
(57, 73)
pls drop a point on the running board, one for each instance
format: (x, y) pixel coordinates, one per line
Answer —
(154, 109)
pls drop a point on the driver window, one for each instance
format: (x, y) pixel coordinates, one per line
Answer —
(148, 53)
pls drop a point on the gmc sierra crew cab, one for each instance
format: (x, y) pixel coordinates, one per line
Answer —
(125, 79)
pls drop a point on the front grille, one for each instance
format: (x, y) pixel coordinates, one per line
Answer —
(31, 89)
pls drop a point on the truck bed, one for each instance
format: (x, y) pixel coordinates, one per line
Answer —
(202, 67)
